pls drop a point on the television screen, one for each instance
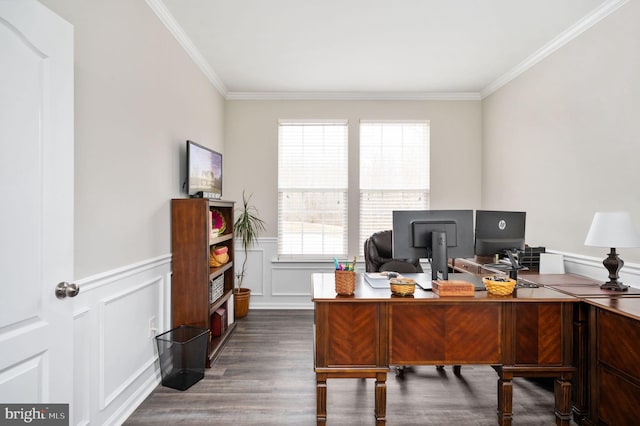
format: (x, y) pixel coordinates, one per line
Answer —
(204, 171)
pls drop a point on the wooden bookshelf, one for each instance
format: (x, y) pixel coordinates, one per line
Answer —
(191, 301)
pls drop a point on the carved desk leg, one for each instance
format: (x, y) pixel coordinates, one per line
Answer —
(505, 399)
(321, 398)
(381, 398)
(562, 391)
(580, 388)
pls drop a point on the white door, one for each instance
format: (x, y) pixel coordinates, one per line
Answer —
(36, 204)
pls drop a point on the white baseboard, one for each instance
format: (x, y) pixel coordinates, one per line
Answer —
(130, 405)
(284, 306)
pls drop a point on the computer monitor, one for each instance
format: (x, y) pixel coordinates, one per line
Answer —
(437, 235)
(499, 231)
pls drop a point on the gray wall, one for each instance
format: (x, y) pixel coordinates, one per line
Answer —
(562, 140)
(251, 145)
(138, 97)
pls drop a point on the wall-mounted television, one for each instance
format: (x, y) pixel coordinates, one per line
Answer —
(204, 171)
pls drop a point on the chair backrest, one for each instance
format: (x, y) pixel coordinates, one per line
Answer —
(378, 249)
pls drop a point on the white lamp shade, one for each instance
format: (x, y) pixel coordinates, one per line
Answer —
(612, 229)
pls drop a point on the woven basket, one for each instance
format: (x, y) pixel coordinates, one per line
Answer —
(217, 260)
(402, 286)
(345, 282)
(499, 288)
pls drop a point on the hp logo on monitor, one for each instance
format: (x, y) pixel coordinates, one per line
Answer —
(502, 224)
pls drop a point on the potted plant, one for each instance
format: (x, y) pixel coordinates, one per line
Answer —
(246, 228)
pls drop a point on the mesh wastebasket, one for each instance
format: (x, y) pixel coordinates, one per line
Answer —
(182, 352)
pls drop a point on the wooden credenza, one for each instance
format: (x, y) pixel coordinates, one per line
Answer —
(529, 334)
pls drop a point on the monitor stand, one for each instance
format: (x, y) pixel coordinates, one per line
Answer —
(515, 266)
(439, 255)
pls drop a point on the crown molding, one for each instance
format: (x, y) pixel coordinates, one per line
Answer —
(565, 37)
(572, 32)
(353, 96)
(176, 30)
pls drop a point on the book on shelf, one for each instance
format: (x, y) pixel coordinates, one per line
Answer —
(219, 322)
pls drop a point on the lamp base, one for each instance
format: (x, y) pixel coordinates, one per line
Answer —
(617, 286)
(613, 264)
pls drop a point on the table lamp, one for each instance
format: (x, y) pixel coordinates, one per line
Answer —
(614, 230)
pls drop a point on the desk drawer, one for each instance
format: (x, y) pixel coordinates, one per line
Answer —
(439, 333)
(539, 333)
(619, 399)
(618, 346)
(349, 335)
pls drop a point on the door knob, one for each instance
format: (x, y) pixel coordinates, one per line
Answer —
(65, 289)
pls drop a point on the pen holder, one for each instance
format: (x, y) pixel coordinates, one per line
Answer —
(345, 282)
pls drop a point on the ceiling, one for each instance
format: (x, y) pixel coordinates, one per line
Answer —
(372, 48)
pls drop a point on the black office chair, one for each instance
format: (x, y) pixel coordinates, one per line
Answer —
(378, 257)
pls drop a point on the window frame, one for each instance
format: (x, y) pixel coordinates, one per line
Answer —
(353, 189)
(340, 193)
(421, 193)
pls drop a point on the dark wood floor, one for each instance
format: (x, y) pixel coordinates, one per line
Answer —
(265, 376)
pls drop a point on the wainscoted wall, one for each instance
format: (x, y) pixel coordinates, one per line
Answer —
(116, 317)
(277, 284)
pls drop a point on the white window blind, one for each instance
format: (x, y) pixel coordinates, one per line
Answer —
(312, 188)
(394, 172)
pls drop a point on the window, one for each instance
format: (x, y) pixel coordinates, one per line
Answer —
(313, 183)
(394, 172)
(312, 188)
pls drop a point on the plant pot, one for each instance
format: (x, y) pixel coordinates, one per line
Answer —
(241, 298)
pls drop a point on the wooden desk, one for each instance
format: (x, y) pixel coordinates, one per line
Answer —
(606, 383)
(528, 334)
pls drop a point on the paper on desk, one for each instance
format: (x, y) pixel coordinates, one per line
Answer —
(551, 263)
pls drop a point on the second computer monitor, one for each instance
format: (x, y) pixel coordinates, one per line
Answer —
(498, 231)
